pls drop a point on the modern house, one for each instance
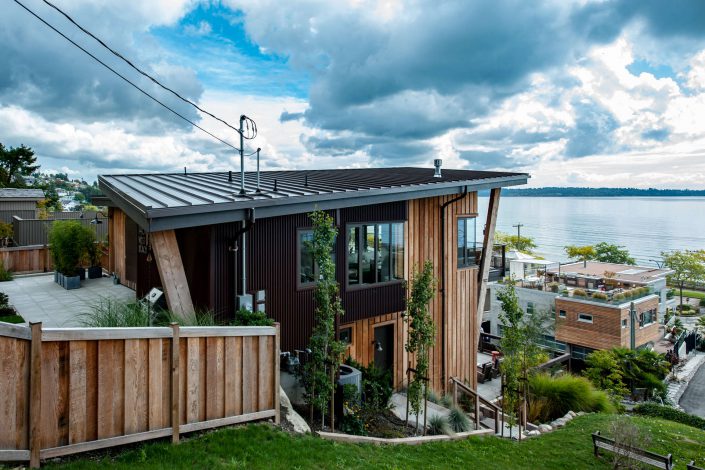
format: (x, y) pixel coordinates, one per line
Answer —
(218, 241)
(19, 202)
(595, 305)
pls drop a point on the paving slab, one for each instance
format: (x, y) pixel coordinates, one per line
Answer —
(39, 299)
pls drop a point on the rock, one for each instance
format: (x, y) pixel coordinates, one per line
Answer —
(559, 423)
(580, 413)
(545, 428)
(572, 414)
(533, 433)
(290, 419)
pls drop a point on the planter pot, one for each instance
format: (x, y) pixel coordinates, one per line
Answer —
(95, 272)
(56, 276)
(72, 282)
(81, 273)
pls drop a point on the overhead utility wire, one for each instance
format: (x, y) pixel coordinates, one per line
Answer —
(125, 78)
(252, 129)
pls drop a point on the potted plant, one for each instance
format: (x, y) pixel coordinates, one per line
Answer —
(67, 246)
(95, 252)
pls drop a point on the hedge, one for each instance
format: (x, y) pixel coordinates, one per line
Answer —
(671, 414)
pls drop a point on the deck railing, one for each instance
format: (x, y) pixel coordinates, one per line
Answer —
(71, 390)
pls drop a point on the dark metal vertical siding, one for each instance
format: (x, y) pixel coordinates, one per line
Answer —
(370, 301)
(222, 269)
(194, 247)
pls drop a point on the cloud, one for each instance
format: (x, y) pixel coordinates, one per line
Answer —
(44, 73)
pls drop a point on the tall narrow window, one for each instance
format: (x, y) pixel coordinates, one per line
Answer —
(375, 253)
(466, 242)
(308, 269)
(307, 265)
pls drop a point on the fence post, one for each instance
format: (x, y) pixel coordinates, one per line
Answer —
(175, 403)
(35, 395)
(277, 397)
(477, 410)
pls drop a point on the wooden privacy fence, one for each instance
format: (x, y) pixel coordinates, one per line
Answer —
(32, 259)
(36, 231)
(70, 390)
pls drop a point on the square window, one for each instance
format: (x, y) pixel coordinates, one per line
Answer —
(346, 335)
(375, 253)
(624, 322)
(561, 313)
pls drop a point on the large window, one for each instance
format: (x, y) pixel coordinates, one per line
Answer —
(307, 266)
(466, 242)
(647, 318)
(375, 253)
(585, 318)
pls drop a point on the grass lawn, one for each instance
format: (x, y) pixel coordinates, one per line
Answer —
(261, 446)
(693, 294)
(12, 319)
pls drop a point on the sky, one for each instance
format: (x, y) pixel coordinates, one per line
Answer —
(576, 93)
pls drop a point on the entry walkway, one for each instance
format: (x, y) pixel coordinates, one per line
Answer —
(693, 399)
(39, 299)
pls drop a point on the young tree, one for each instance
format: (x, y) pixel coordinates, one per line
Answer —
(14, 163)
(520, 348)
(609, 253)
(422, 334)
(687, 266)
(581, 253)
(515, 242)
(326, 352)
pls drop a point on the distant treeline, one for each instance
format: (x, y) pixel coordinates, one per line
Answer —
(597, 192)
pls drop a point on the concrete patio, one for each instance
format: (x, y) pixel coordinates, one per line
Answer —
(39, 299)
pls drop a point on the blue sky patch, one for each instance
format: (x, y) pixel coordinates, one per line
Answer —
(212, 41)
(658, 71)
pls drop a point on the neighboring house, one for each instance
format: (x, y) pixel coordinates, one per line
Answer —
(207, 244)
(600, 319)
(19, 202)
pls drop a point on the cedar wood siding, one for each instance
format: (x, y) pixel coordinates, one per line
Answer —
(605, 331)
(212, 270)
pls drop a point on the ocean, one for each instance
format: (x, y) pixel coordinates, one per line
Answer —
(646, 226)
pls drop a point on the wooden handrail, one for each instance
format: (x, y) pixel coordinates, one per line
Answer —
(457, 384)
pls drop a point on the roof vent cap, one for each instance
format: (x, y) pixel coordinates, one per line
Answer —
(437, 163)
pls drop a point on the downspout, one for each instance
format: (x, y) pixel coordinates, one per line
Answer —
(443, 282)
(242, 232)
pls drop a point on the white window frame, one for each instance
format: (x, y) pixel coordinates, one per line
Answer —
(584, 320)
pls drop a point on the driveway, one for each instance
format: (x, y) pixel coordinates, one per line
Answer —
(39, 299)
(693, 399)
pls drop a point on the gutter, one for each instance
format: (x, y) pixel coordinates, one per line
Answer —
(443, 282)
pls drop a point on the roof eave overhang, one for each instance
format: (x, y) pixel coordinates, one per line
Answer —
(191, 216)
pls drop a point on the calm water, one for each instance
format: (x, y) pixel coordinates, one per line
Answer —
(645, 226)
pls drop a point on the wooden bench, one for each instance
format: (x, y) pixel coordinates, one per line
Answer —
(644, 456)
(691, 466)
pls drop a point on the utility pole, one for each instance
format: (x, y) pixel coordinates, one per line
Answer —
(518, 226)
(242, 157)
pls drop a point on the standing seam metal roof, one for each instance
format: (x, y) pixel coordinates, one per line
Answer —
(174, 194)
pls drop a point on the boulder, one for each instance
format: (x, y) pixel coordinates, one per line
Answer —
(572, 414)
(533, 433)
(543, 428)
(290, 419)
(559, 423)
(580, 413)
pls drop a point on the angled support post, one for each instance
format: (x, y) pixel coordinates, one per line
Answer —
(487, 243)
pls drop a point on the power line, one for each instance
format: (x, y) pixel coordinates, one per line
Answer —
(252, 129)
(126, 79)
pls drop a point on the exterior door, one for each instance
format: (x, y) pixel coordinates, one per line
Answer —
(384, 347)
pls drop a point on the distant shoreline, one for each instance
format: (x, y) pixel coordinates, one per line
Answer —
(599, 192)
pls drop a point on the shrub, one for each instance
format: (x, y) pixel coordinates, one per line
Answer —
(244, 317)
(458, 420)
(671, 414)
(446, 401)
(433, 397)
(69, 243)
(618, 297)
(438, 425)
(111, 313)
(552, 397)
(599, 295)
(376, 387)
(5, 275)
(579, 293)
(702, 302)
(199, 318)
